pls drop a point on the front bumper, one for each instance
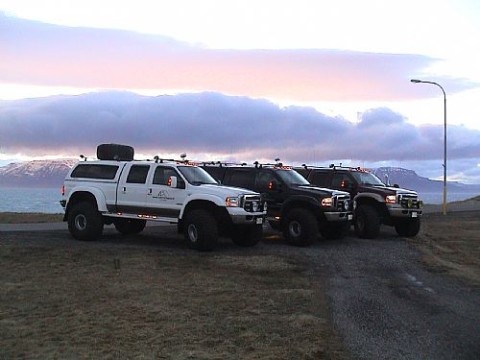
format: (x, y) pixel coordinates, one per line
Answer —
(241, 217)
(332, 216)
(401, 212)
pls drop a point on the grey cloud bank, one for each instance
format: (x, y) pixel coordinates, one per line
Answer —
(239, 128)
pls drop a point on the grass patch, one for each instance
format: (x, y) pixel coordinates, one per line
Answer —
(451, 243)
(28, 218)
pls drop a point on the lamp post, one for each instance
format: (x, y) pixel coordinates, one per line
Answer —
(416, 81)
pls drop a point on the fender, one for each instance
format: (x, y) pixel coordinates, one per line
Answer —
(96, 192)
(217, 200)
(377, 197)
(301, 198)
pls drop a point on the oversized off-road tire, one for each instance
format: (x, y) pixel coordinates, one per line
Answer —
(85, 222)
(408, 227)
(275, 225)
(129, 226)
(335, 231)
(300, 227)
(200, 230)
(247, 235)
(366, 222)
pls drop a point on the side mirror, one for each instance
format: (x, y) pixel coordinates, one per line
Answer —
(345, 184)
(172, 181)
(272, 185)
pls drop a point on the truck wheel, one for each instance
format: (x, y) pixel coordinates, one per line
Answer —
(247, 235)
(408, 227)
(200, 230)
(85, 222)
(129, 226)
(300, 227)
(274, 225)
(335, 231)
(367, 222)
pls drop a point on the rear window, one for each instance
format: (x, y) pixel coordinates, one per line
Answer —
(95, 171)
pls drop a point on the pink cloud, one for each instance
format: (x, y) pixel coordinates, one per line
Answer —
(42, 54)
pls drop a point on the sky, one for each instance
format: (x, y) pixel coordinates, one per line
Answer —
(333, 78)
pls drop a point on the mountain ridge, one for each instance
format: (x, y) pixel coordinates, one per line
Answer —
(51, 173)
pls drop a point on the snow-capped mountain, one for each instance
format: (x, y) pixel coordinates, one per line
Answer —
(35, 173)
(410, 180)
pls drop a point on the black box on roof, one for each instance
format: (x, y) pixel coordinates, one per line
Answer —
(115, 152)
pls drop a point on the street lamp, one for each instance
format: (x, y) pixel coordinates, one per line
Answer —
(416, 81)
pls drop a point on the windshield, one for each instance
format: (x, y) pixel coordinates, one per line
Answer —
(196, 175)
(292, 177)
(366, 178)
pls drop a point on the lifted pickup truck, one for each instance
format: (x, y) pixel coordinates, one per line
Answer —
(297, 208)
(127, 193)
(374, 203)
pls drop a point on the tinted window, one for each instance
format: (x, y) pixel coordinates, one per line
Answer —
(215, 171)
(138, 174)
(291, 177)
(95, 171)
(264, 179)
(240, 177)
(321, 179)
(196, 175)
(366, 178)
(340, 180)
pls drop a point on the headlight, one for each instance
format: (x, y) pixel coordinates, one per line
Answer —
(391, 199)
(327, 202)
(232, 201)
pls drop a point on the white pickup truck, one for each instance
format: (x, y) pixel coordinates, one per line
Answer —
(127, 193)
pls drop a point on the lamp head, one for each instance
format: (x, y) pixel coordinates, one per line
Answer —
(415, 81)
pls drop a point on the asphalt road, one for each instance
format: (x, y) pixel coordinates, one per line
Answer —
(385, 304)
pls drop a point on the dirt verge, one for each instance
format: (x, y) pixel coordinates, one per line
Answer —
(451, 243)
(148, 298)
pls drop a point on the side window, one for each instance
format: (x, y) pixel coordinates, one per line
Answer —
(138, 174)
(241, 178)
(95, 171)
(321, 179)
(264, 178)
(340, 180)
(162, 175)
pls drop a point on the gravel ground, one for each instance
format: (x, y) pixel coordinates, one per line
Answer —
(386, 305)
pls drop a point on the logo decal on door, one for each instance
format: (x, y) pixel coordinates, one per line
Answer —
(163, 195)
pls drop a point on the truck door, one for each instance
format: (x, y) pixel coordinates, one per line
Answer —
(268, 184)
(132, 190)
(163, 199)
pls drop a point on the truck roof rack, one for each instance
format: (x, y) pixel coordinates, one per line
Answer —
(334, 167)
(221, 163)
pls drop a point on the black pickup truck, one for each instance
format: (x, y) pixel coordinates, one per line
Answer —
(374, 203)
(294, 206)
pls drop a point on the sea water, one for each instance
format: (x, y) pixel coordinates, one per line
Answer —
(46, 200)
(37, 200)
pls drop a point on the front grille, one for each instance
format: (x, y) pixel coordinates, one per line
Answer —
(342, 202)
(253, 203)
(409, 201)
